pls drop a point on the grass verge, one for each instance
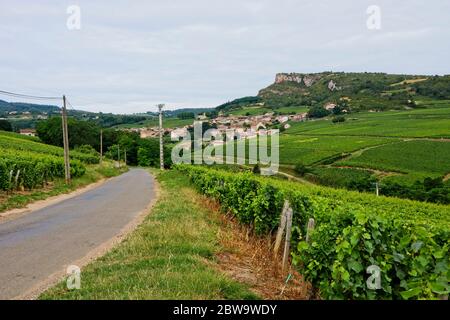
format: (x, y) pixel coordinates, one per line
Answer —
(171, 255)
(93, 174)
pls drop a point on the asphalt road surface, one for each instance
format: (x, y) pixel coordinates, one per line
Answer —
(44, 242)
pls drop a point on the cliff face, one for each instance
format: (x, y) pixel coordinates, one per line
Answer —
(307, 79)
(288, 77)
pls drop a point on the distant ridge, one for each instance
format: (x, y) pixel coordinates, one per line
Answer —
(26, 107)
(360, 91)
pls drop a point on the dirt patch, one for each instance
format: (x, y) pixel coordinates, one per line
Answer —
(379, 173)
(249, 259)
(447, 177)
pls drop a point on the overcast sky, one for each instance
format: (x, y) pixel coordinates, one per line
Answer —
(130, 55)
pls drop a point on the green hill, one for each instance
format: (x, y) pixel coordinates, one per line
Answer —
(20, 107)
(27, 163)
(359, 91)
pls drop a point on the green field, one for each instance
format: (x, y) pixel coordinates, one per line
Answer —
(350, 178)
(259, 110)
(26, 163)
(309, 149)
(292, 109)
(31, 170)
(14, 141)
(404, 147)
(423, 157)
(250, 111)
(431, 123)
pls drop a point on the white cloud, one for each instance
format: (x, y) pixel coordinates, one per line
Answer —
(130, 55)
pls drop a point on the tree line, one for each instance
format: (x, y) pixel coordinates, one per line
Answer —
(139, 151)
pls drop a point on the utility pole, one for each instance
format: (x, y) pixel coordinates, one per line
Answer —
(161, 147)
(377, 189)
(65, 141)
(125, 157)
(101, 146)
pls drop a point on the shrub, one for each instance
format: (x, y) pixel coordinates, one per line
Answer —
(338, 119)
(301, 169)
(86, 154)
(5, 125)
(318, 112)
(407, 240)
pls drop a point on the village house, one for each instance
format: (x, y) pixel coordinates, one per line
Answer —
(330, 106)
(258, 126)
(299, 117)
(28, 132)
(282, 119)
(266, 120)
(149, 133)
(178, 133)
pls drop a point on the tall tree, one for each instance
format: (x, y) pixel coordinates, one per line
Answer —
(5, 125)
(80, 132)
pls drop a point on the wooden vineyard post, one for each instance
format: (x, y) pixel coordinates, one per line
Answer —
(281, 228)
(311, 224)
(287, 243)
(285, 225)
(16, 180)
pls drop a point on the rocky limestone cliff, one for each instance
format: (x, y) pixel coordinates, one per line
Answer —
(307, 79)
(288, 77)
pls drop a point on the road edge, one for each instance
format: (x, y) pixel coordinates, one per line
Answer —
(41, 204)
(99, 251)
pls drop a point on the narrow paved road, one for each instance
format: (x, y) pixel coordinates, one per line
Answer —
(43, 242)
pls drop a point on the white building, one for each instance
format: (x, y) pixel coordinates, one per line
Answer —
(28, 132)
(282, 119)
(330, 106)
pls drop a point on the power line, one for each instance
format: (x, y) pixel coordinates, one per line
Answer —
(26, 96)
(70, 105)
